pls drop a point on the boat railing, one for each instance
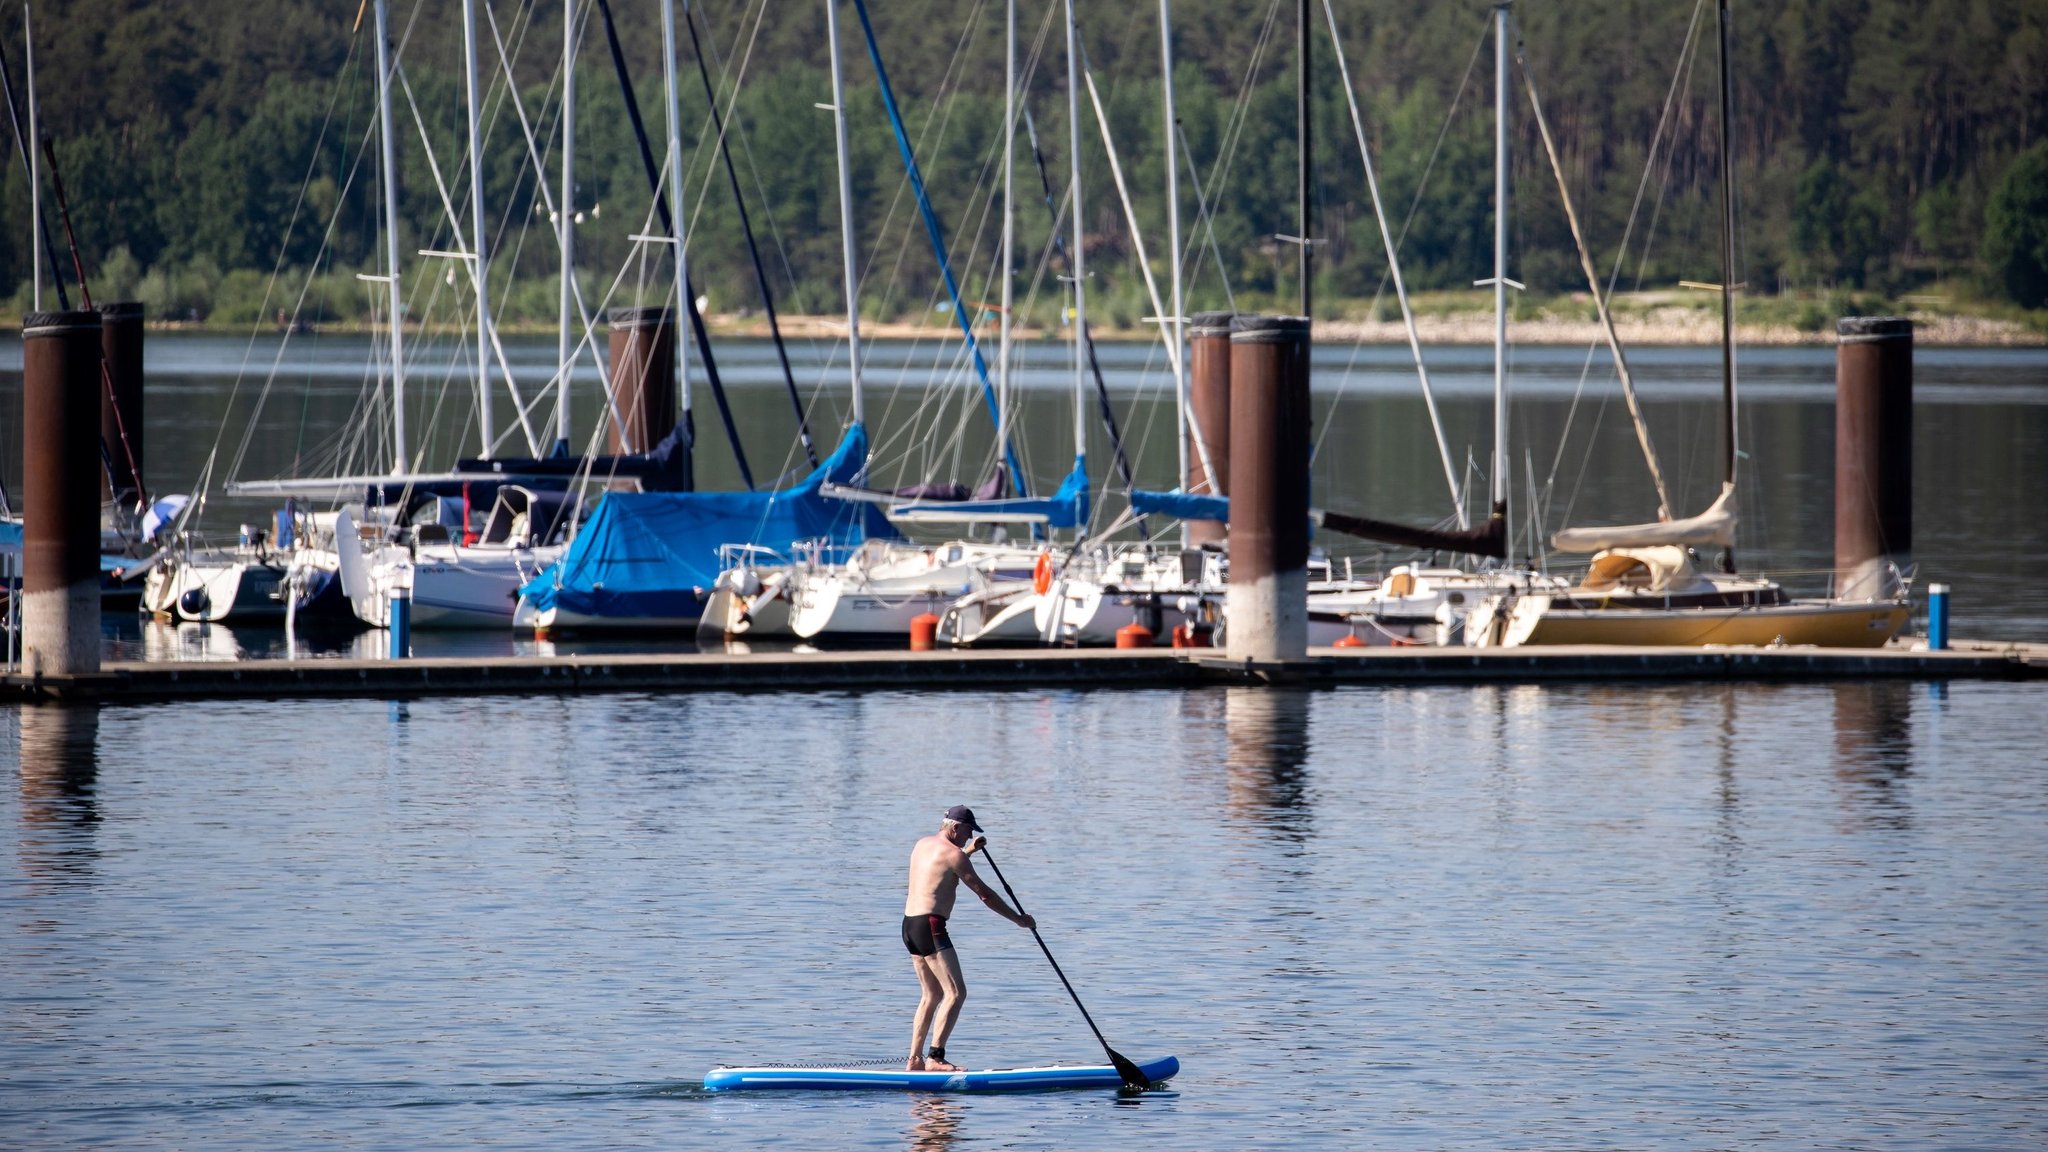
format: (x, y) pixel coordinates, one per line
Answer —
(822, 553)
(10, 579)
(731, 556)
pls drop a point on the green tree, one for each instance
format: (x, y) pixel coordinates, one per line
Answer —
(1838, 229)
(2016, 230)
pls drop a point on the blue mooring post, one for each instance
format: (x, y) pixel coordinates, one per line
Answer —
(400, 623)
(1937, 617)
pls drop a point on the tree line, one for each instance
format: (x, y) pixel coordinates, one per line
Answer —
(220, 158)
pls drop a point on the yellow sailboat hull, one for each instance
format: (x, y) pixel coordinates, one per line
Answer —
(1822, 623)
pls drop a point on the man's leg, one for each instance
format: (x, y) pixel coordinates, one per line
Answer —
(945, 967)
(920, 1024)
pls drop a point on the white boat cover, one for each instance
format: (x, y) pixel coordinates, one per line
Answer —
(1714, 526)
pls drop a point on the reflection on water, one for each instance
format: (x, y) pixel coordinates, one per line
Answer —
(1874, 749)
(1267, 732)
(134, 637)
(59, 761)
(934, 1123)
(59, 780)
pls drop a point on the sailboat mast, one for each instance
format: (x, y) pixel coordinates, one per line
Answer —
(675, 184)
(1306, 141)
(565, 212)
(846, 217)
(1174, 321)
(400, 459)
(485, 426)
(1500, 263)
(1727, 259)
(1009, 222)
(1078, 256)
(35, 175)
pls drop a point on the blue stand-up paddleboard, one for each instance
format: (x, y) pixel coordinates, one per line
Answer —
(987, 1080)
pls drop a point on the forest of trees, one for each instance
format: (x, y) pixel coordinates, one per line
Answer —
(1881, 145)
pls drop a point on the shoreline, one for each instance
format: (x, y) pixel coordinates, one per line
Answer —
(1663, 326)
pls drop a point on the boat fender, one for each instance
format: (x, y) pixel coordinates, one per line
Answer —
(193, 604)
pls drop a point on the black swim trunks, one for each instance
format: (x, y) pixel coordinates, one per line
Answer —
(926, 935)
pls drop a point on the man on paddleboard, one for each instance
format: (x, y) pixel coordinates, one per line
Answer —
(938, 865)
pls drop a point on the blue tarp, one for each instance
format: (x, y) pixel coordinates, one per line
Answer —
(1181, 504)
(651, 555)
(10, 545)
(1066, 508)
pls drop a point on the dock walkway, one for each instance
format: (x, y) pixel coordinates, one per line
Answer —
(1035, 669)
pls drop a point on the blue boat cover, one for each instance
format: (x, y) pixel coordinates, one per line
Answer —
(10, 535)
(991, 1080)
(1066, 508)
(653, 554)
(1182, 504)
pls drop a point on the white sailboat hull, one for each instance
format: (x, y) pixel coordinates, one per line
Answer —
(835, 606)
(1005, 613)
(452, 587)
(884, 586)
(209, 589)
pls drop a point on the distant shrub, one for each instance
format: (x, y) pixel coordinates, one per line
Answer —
(174, 291)
(1812, 316)
(245, 296)
(118, 277)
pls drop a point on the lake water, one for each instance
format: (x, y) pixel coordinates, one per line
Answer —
(1613, 916)
(1533, 917)
(265, 408)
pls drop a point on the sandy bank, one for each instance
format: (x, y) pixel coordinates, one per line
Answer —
(1662, 326)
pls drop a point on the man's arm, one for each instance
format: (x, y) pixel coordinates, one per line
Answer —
(988, 896)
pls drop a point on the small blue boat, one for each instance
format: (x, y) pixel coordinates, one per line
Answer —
(988, 1080)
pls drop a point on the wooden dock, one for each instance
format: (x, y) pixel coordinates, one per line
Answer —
(1021, 669)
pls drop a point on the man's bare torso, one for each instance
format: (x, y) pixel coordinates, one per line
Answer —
(935, 869)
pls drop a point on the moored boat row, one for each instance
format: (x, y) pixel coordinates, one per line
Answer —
(832, 557)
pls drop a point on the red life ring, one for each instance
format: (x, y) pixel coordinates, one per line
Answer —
(1041, 573)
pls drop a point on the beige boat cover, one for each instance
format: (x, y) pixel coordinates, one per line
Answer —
(1714, 526)
(1663, 568)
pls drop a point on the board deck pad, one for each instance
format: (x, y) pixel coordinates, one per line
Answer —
(987, 1080)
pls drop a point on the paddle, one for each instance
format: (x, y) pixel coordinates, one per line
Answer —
(1133, 1076)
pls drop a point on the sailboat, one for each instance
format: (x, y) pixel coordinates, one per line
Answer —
(1093, 593)
(460, 544)
(420, 529)
(1642, 586)
(454, 579)
(1411, 606)
(879, 588)
(668, 560)
(1423, 602)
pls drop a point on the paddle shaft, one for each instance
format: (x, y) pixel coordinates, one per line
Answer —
(1114, 1058)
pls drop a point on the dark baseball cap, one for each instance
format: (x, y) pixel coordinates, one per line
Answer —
(962, 814)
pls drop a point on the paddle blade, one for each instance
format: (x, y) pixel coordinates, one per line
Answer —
(1134, 1077)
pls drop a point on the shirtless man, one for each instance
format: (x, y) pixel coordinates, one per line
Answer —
(938, 865)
